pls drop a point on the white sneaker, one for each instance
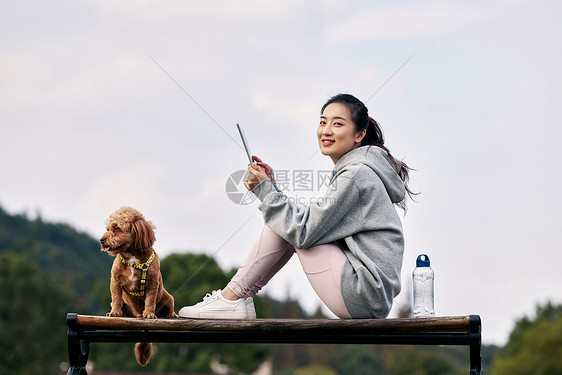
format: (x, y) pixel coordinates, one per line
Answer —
(250, 308)
(215, 306)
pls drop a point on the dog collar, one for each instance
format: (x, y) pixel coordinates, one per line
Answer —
(144, 268)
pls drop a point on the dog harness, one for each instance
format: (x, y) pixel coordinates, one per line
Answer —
(144, 270)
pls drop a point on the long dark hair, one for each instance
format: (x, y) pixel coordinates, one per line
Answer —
(373, 136)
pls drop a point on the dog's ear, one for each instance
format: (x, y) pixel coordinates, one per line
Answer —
(143, 232)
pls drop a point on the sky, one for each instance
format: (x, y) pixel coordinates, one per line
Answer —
(106, 104)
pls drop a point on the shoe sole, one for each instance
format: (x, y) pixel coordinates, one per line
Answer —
(214, 315)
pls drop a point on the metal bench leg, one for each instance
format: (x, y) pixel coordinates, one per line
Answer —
(475, 345)
(78, 350)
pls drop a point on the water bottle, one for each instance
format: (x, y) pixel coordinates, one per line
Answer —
(423, 288)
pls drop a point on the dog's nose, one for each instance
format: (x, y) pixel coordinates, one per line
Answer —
(102, 240)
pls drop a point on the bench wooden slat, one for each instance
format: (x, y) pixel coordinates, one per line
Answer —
(441, 324)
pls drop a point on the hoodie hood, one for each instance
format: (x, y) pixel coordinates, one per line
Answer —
(377, 159)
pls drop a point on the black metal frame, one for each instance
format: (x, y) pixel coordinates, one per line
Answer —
(79, 339)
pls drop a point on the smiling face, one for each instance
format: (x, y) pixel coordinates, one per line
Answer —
(336, 132)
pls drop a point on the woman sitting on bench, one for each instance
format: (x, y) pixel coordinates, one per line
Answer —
(350, 243)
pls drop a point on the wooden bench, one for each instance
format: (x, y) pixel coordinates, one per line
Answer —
(85, 329)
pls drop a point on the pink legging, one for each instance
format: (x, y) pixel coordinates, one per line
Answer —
(322, 264)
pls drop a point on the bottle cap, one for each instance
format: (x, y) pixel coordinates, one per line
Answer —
(422, 261)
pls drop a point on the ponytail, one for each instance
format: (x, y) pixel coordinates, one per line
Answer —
(374, 137)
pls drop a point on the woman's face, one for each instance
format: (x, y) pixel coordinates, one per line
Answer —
(336, 132)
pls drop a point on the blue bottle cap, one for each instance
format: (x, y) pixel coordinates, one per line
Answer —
(422, 261)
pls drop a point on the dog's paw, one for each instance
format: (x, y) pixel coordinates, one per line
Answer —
(114, 314)
(149, 316)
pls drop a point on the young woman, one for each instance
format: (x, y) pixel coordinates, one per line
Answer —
(350, 243)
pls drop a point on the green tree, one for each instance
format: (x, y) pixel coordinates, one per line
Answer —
(72, 258)
(414, 360)
(32, 311)
(188, 277)
(358, 360)
(534, 346)
(315, 370)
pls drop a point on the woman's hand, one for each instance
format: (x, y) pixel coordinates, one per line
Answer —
(258, 172)
(267, 169)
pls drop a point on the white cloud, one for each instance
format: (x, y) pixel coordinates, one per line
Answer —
(421, 19)
(416, 19)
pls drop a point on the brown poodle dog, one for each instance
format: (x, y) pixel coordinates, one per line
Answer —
(136, 282)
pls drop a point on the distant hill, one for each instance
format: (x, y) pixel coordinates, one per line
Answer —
(73, 258)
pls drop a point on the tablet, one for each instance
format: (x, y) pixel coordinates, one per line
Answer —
(245, 142)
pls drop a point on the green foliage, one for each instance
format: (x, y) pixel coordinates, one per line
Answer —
(33, 307)
(358, 360)
(413, 360)
(74, 259)
(534, 346)
(243, 358)
(316, 370)
(188, 277)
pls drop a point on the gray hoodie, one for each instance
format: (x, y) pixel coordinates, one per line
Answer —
(358, 213)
